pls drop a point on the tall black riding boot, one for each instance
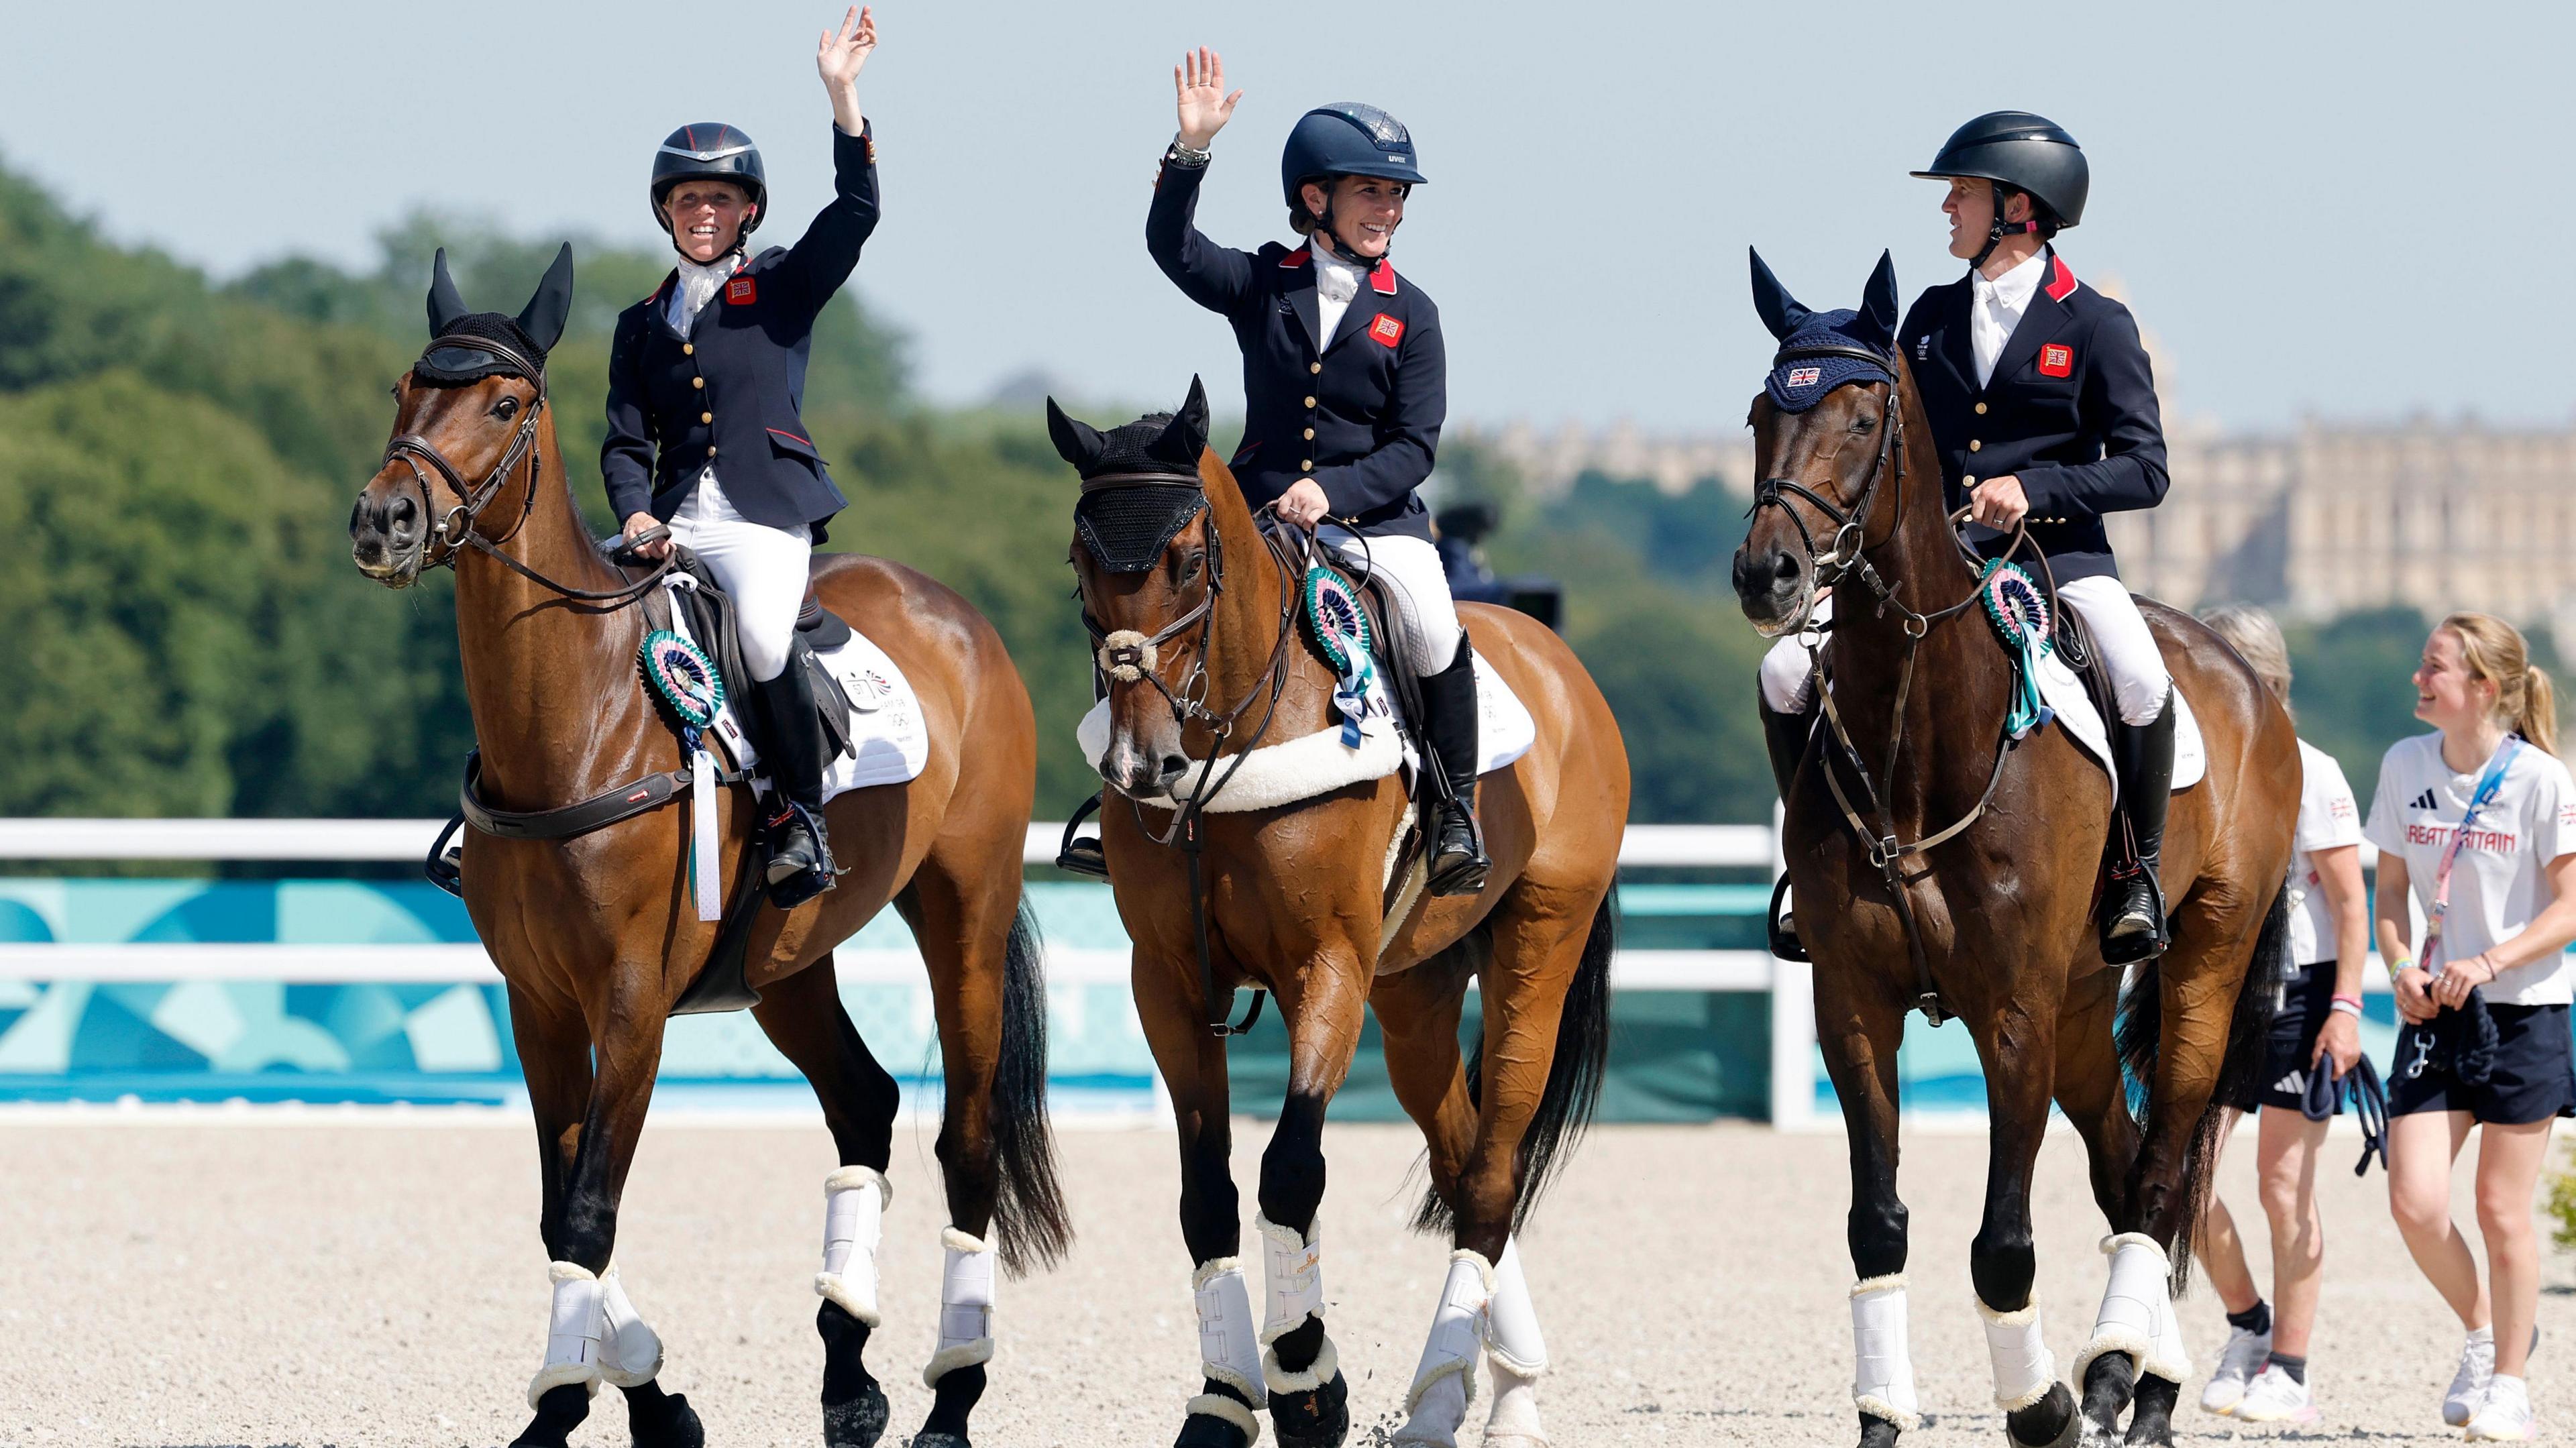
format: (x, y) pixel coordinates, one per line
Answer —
(2133, 902)
(800, 855)
(1458, 863)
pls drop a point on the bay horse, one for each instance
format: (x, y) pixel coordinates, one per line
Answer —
(1992, 923)
(591, 931)
(1197, 623)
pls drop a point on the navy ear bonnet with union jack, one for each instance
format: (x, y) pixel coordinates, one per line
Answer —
(1802, 372)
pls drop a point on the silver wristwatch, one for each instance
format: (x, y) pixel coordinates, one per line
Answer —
(1183, 155)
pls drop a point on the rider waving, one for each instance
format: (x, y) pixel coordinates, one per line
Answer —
(1346, 385)
(709, 373)
(2044, 410)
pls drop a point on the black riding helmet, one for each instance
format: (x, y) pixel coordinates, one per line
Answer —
(2022, 152)
(1345, 139)
(709, 151)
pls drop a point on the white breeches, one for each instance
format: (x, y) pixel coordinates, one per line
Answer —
(2137, 667)
(764, 569)
(1427, 617)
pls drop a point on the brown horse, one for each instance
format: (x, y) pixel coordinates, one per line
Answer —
(1197, 621)
(2000, 911)
(592, 931)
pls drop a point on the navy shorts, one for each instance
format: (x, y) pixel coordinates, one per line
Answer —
(2534, 1077)
(2307, 998)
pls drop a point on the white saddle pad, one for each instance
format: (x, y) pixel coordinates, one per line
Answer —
(2064, 693)
(1279, 774)
(889, 742)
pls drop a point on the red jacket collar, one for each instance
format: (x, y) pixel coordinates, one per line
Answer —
(1381, 277)
(2061, 277)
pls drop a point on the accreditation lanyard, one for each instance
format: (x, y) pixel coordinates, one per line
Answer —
(2488, 785)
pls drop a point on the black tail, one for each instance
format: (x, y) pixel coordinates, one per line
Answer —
(2248, 1039)
(1028, 1208)
(1574, 1076)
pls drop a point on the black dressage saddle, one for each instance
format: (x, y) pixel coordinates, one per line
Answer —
(711, 623)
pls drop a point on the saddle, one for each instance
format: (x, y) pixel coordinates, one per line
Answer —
(711, 623)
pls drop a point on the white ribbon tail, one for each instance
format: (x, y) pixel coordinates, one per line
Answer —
(706, 879)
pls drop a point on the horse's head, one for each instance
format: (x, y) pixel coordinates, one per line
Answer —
(1824, 430)
(465, 420)
(1147, 557)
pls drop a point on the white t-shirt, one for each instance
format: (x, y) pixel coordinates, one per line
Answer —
(2497, 886)
(2327, 818)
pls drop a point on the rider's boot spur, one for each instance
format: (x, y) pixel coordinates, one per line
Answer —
(1458, 863)
(2133, 906)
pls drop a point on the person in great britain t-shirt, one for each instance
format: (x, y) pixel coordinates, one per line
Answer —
(2478, 821)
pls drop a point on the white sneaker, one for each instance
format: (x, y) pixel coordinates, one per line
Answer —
(2469, 1384)
(2238, 1362)
(2505, 1414)
(2276, 1397)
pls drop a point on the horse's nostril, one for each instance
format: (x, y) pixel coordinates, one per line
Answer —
(1173, 764)
(402, 517)
(1785, 565)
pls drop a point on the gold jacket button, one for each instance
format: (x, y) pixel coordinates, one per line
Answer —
(1306, 466)
(1969, 481)
(1981, 409)
(1975, 446)
(706, 417)
(690, 349)
(1310, 434)
(711, 452)
(1310, 402)
(698, 382)
(1314, 366)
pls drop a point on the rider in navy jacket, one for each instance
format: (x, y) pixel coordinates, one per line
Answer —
(2070, 410)
(1359, 412)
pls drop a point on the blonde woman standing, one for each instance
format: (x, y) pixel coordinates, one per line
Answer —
(2262, 1374)
(2477, 821)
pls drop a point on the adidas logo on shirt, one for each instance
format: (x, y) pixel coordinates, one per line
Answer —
(2422, 801)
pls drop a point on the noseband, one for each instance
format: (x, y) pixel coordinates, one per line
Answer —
(459, 527)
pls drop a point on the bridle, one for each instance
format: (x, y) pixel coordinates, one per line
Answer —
(1850, 558)
(459, 527)
(1130, 656)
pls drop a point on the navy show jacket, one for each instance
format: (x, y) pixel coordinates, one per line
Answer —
(1359, 412)
(2070, 410)
(731, 392)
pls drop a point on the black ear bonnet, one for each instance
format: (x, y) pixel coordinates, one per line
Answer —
(1125, 525)
(529, 335)
(454, 366)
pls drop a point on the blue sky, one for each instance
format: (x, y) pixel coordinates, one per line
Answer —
(2357, 211)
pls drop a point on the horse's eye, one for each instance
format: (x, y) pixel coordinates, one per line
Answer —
(505, 409)
(1864, 423)
(1191, 563)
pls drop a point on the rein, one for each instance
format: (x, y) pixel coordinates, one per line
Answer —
(1130, 656)
(1850, 558)
(458, 528)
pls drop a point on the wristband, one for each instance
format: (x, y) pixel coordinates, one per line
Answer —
(2346, 1005)
(2395, 966)
(1187, 156)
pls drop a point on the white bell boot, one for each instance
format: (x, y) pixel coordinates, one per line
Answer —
(965, 1306)
(1444, 1384)
(1882, 1358)
(854, 1203)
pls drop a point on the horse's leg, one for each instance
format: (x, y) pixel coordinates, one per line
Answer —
(1322, 1006)
(1192, 1062)
(1860, 1022)
(2091, 1092)
(803, 1017)
(2019, 1049)
(594, 1334)
(554, 1056)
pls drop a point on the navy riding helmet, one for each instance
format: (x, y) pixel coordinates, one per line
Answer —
(1346, 139)
(710, 151)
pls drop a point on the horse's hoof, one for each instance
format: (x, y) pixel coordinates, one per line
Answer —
(1317, 1419)
(854, 1406)
(559, 1411)
(2052, 1422)
(857, 1421)
(2108, 1385)
(1877, 1432)
(2151, 1425)
(655, 1419)
(939, 1440)
(1206, 1430)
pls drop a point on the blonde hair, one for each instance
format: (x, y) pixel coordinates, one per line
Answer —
(2494, 650)
(2254, 634)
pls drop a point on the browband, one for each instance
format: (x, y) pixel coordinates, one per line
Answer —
(1139, 480)
(471, 342)
(1873, 357)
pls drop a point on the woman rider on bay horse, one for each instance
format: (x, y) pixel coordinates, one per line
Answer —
(2044, 409)
(709, 372)
(1346, 384)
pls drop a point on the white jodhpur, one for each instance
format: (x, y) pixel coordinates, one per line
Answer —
(1882, 1361)
(1515, 1357)
(1444, 1383)
(1293, 1276)
(593, 1335)
(2024, 1368)
(2137, 1315)
(965, 1306)
(1229, 1345)
(854, 1203)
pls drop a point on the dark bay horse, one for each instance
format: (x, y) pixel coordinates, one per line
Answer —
(1851, 496)
(593, 932)
(1296, 901)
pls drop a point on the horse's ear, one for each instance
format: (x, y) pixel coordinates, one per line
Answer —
(445, 306)
(1878, 305)
(543, 320)
(1076, 442)
(1186, 436)
(1779, 311)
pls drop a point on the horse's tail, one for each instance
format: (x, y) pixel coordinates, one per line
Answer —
(1028, 1208)
(1574, 1077)
(2240, 1068)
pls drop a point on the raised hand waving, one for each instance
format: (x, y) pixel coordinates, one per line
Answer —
(1205, 106)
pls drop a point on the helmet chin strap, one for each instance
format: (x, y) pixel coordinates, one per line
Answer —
(1999, 228)
(1332, 242)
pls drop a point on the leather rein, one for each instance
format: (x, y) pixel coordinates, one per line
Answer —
(1121, 652)
(1849, 558)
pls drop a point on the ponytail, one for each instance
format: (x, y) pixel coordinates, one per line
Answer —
(2494, 650)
